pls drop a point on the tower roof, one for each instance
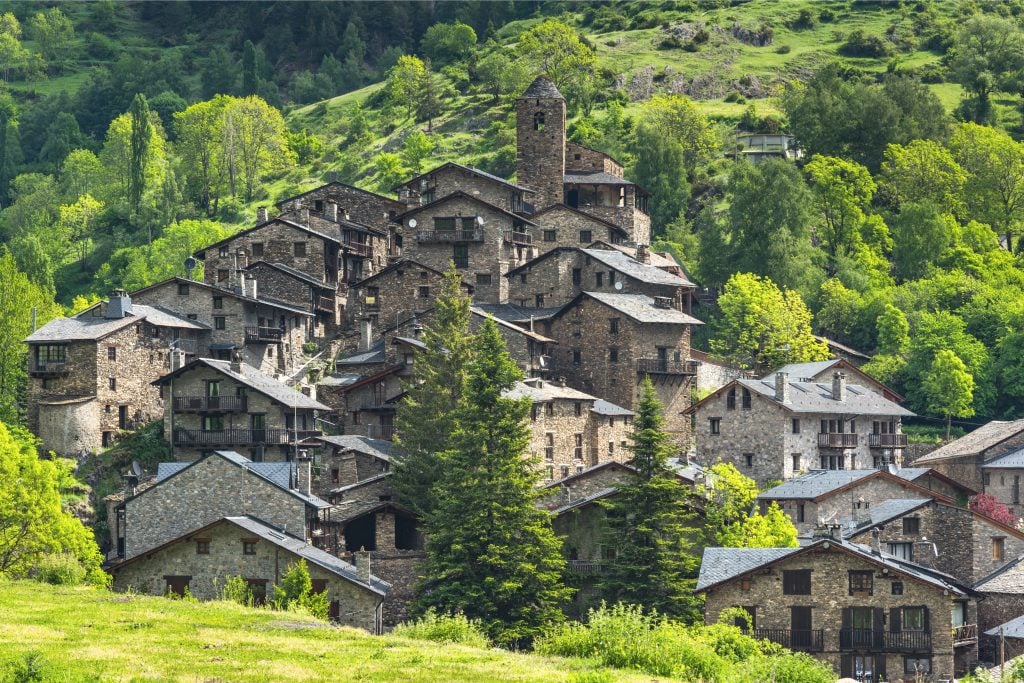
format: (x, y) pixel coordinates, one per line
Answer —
(542, 88)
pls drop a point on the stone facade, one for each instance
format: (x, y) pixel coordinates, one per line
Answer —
(540, 142)
(225, 556)
(530, 350)
(561, 226)
(301, 291)
(580, 158)
(618, 202)
(368, 208)
(450, 230)
(451, 177)
(394, 294)
(206, 491)
(828, 606)
(1004, 484)
(961, 459)
(580, 485)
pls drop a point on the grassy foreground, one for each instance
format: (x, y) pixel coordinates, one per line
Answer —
(85, 634)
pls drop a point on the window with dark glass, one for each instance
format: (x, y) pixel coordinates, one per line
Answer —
(911, 525)
(730, 399)
(257, 249)
(613, 325)
(861, 582)
(613, 355)
(577, 276)
(111, 353)
(715, 425)
(586, 236)
(549, 236)
(796, 582)
(577, 357)
(183, 288)
(202, 546)
(218, 302)
(796, 425)
(300, 248)
(248, 547)
(219, 322)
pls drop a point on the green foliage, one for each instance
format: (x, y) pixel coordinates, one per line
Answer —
(237, 589)
(994, 188)
(28, 669)
(295, 592)
(554, 49)
(987, 48)
(842, 191)
(53, 33)
(949, 387)
(446, 43)
(659, 167)
(678, 118)
(729, 523)
(443, 628)
(60, 569)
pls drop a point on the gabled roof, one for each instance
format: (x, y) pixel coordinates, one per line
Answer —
(806, 372)
(361, 483)
(1007, 579)
(87, 327)
(512, 313)
(405, 263)
(335, 183)
(639, 307)
(597, 178)
(974, 443)
(586, 500)
(468, 169)
(588, 216)
(539, 391)
(833, 344)
(292, 272)
(608, 464)
(221, 291)
(1014, 460)
(1014, 628)
(252, 378)
(459, 194)
(603, 407)
(819, 484)
(881, 513)
(201, 253)
(815, 398)
(377, 448)
(374, 354)
(504, 324)
(623, 263)
(542, 88)
(720, 565)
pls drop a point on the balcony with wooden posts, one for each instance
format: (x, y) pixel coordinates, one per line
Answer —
(664, 366)
(887, 440)
(233, 437)
(210, 404)
(965, 635)
(263, 335)
(885, 641)
(517, 237)
(450, 236)
(588, 567)
(358, 248)
(324, 304)
(837, 440)
(799, 640)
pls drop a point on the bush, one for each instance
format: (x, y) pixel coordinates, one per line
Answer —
(861, 44)
(62, 569)
(826, 15)
(27, 670)
(783, 49)
(295, 592)
(805, 19)
(237, 590)
(444, 628)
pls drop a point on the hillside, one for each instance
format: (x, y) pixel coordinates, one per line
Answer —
(84, 634)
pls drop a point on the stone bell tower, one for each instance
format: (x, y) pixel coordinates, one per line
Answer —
(540, 142)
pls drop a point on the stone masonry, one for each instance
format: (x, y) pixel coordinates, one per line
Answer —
(451, 177)
(562, 226)
(540, 142)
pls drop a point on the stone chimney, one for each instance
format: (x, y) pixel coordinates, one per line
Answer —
(876, 541)
(782, 387)
(262, 215)
(363, 565)
(643, 253)
(304, 216)
(861, 511)
(408, 196)
(331, 211)
(119, 305)
(236, 363)
(839, 386)
(925, 552)
(365, 334)
(304, 473)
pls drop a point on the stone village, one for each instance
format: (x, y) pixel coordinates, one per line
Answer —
(277, 377)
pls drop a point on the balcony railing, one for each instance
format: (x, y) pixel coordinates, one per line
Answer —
(358, 248)
(664, 366)
(585, 566)
(211, 404)
(49, 368)
(450, 236)
(516, 237)
(887, 440)
(802, 640)
(965, 635)
(228, 437)
(837, 440)
(385, 432)
(885, 641)
(261, 335)
(324, 303)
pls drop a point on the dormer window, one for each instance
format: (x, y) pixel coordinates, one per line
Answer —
(538, 121)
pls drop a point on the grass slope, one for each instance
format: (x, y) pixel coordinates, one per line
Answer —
(84, 634)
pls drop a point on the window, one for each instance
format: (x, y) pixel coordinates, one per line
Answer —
(483, 278)
(796, 425)
(577, 276)
(987, 479)
(183, 289)
(578, 408)
(112, 383)
(549, 446)
(599, 279)
(218, 302)
(299, 248)
(577, 357)
(111, 353)
(423, 292)
(213, 423)
(797, 465)
(800, 513)
(715, 425)
(539, 301)
(219, 322)
(611, 448)
(565, 471)
(613, 355)
(257, 249)
(578, 448)
(335, 475)
(913, 618)
(551, 471)
(223, 251)
(538, 121)
(611, 278)
(730, 399)
(901, 551)
(222, 275)
(549, 409)
(746, 399)
(897, 588)
(460, 255)
(998, 543)
(796, 582)
(549, 236)
(861, 582)
(911, 525)
(192, 316)
(748, 459)
(917, 665)
(202, 546)
(248, 547)
(613, 325)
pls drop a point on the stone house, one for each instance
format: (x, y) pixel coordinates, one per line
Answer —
(822, 371)
(981, 460)
(870, 616)
(563, 226)
(483, 241)
(829, 496)
(269, 334)
(558, 276)
(283, 283)
(450, 177)
(89, 376)
(362, 206)
(571, 174)
(776, 430)
(403, 288)
(216, 404)
(1002, 605)
(202, 559)
(530, 350)
(663, 259)
(1001, 479)
(349, 459)
(608, 343)
(188, 495)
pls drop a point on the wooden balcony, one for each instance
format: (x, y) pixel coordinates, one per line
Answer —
(800, 640)
(585, 566)
(49, 368)
(231, 437)
(263, 335)
(358, 248)
(450, 236)
(836, 440)
(885, 641)
(887, 440)
(210, 404)
(516, 237)
(965, 635)
(324, 304)
(664, 366)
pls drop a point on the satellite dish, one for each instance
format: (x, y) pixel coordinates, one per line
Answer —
(618, 285)
(136, 468)
(479, 220)
(412, 222)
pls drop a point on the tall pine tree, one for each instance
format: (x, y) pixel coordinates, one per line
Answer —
(649, 525)
(491, 553)
(427, 416)
(141, 134)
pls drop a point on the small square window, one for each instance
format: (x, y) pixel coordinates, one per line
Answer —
(715, 425)
(748, 459)
(223, 251)
(483, 278)
(111, 353)
(796, 582)
(300, 248)
(861, 582)
(423, 292)
(549, 236)
(586, 236)
(183, 289)
(219, 322)
(897, 588)
(248, 547)
(218, 302)
(202, 547)
(613, 355)
(112, 383)
(917, 665)
(192, 316)
(257, 249)
(911, 525)
(222, 275)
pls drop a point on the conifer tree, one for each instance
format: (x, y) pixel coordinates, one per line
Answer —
(491, 553)
(427, 416)
(141, 132)
(649, 525)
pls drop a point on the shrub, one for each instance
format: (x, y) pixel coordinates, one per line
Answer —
(671, 42)
(61, 569)
(444, 628)
(28, 669)
(805, 19)
(237, 590)
(826, 15)
(861, 44)
(295, 592)
(783, 49)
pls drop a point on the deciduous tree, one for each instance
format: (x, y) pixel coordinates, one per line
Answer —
(842, 191)
(554, 49)
(53, 33)
(994, 163)
(254, 140)
(949, 388)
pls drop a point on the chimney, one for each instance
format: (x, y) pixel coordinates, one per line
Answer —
(663, 302)
(876, 543)
(177, 359)
(782, 387)
(925, 552)
(363, 565)
(262, 215)
(241, 260)
(861, 511)
(331, 213)
(304, 473)
(365, 334)
(839, 386)
(119, 305)
(236, 363)
(304, 217)
(643, 253)
(345, 211)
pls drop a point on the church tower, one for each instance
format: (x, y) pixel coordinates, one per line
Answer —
(540, 142)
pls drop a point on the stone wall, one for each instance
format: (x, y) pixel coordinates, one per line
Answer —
(447, 179)
(202, 494)
(279, 242)
(340, 467)
(363, 207)
(580, 158)
(357, 606)
(571, 228)
(68, 428)
(525, 348)
(280, 286)
(840, 505)
(829, 595)
(635, 222)
(404, 289)
(540, 150)
(578, 487)
(1004, 484)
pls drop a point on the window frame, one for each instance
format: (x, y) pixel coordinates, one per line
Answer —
(861, 582)
(796, 582)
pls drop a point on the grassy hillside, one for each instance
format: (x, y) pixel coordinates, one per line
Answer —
(83, 634)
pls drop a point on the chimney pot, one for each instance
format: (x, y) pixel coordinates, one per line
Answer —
(236, 363)
(839, 386)
(332, 211)
(304, 217)
(643, 253)
(365, 334)
(262, 215)
(119, 305)
(782, 387)
(363, 565)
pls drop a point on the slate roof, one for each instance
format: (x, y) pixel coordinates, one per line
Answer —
(586, 471)
(464, 195)
(1014, 628)
(635, 269)
(642, 309)
(398, 265)
(85, 326)
(982, 438)
(586, 500)
(469, 169)
(542, 87)
(505, 324)
(375, 354)
(817, 483)
(816, 397)
(201, 253)
(540, 392)
(335, 183)
(1014, 460)
(297, 274)
(804, 371)
(881, 513)
(254, 379)
(378, 448)
(221, 291)
(603, 407)
(595, 178)
(363, 482)
(658, 259)
(1007, 579)
(588, 216)
(513, 313)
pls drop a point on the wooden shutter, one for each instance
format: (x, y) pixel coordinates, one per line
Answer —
(880, 668)
(847, 617)
(896, 619)
(846, 665)
(927, 625)
(878, 624)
